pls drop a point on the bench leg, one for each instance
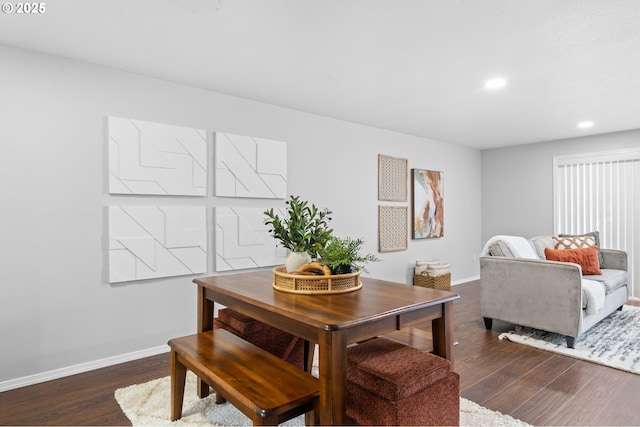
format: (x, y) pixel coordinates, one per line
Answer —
(219, 399)
(312, 418)
(309, 350)
(178, 378)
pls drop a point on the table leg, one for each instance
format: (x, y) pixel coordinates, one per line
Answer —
(205, 323)
(332, 349)
(205, 311)
(443, 333)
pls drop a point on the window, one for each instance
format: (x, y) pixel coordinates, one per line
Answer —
(601, 191)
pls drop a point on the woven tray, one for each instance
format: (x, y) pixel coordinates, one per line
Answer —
(442, 283)
(315, 285)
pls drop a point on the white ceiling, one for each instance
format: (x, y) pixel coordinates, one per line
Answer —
(412, 66)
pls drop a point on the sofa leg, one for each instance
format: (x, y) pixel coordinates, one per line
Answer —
(570, 341)
(488, 323)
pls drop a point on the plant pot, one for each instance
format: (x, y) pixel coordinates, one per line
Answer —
(295, 260)
(343, 269)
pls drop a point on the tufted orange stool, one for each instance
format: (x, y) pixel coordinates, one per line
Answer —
(389, 383)
(273, 340)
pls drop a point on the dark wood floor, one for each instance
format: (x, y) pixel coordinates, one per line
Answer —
(535, 386)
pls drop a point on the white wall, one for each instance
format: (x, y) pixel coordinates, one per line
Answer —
(57, 309)
(517, 182)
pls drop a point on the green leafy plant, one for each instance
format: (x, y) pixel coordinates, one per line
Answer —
(342, 255)
(305, 229)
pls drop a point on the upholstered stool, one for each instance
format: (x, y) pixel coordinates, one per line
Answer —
(273, 340)
(389, 383)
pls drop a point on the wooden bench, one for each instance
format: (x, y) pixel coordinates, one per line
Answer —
(262, 386)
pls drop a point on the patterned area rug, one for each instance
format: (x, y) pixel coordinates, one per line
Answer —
(148, 404)
(614, 342)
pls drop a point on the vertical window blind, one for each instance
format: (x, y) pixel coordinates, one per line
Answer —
(601, 191)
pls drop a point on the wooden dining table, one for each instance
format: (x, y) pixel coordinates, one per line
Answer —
(332, 321)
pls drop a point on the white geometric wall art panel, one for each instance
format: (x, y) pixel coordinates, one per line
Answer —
(250, 167)
(154, 158)
(243, 240)
(147, 242)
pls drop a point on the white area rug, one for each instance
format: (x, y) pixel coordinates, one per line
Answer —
(148, 404)
(614, 342)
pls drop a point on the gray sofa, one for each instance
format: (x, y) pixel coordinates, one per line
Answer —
(520, 286)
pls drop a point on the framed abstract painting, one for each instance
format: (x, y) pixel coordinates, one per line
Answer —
(427, 196)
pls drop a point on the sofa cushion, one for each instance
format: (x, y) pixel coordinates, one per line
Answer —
(500, 248)
(596, 238)
(611, 279)
(540, 243)
(573, 242)
(586, 257)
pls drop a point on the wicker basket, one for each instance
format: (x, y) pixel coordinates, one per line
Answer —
(312, 285)
(442, 283)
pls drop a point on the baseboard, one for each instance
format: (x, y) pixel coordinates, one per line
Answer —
(83, 367)
(468, 279)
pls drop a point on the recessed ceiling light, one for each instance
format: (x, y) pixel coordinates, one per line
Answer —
(584, 125)
(496, 83)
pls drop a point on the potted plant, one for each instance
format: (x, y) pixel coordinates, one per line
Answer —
(304, 231)
(343, 255)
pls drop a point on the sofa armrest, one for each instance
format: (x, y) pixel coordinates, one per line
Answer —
(540, 294)
(614, 259)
